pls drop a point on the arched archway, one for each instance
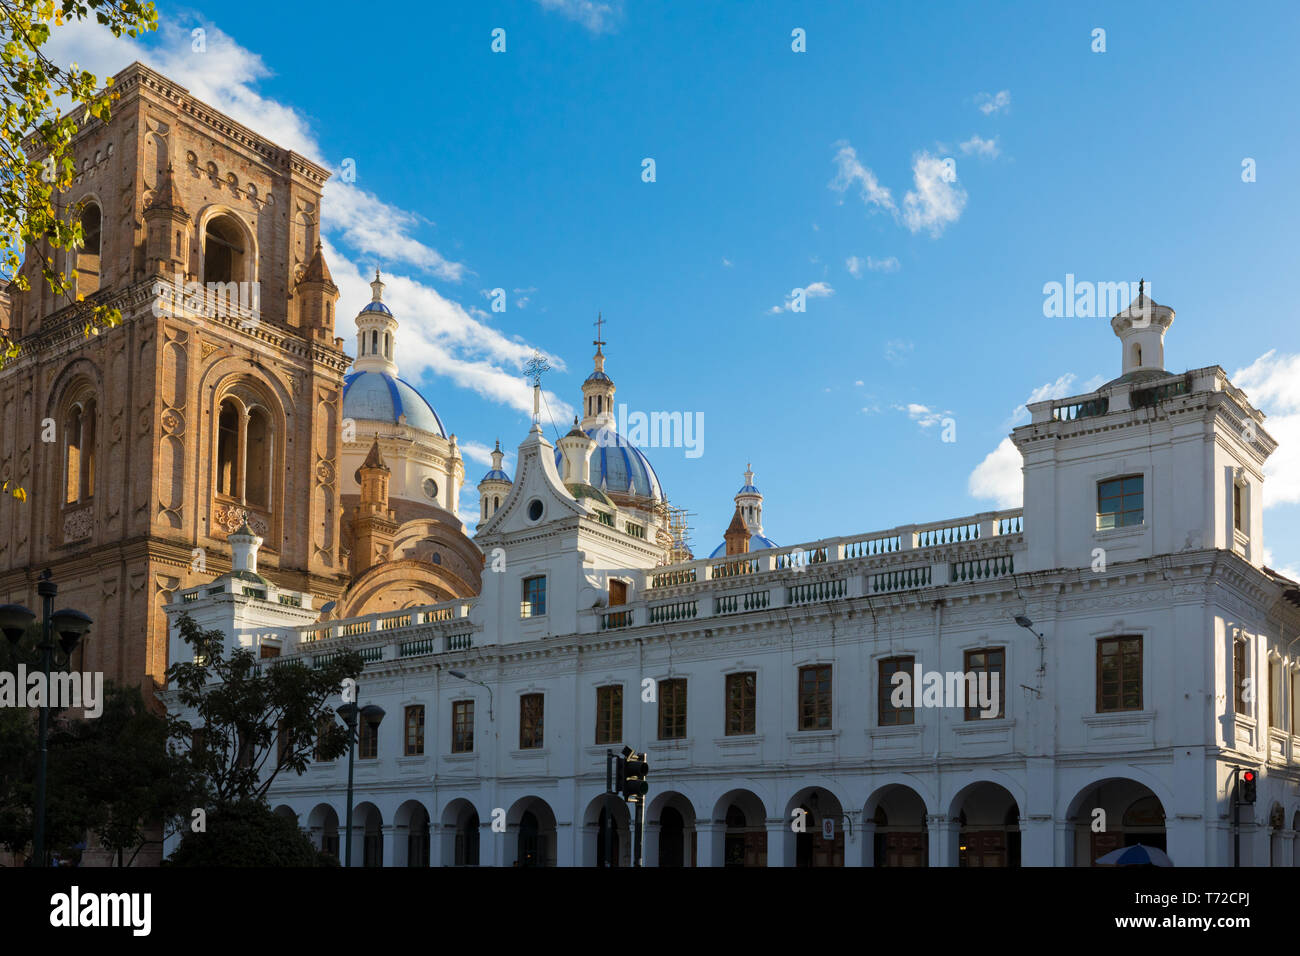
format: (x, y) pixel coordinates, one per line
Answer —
(602, 812)
(323, 824)
(896, 817)
(744, 828)
(1111, 814)
(411, 846)
(671, 837)
(988, 819)
(87, 257)
(808, 846)
(531, 826)
(367, 835)
(463, 847)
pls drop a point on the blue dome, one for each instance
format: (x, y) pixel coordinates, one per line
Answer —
(748, 490)
(496, 474)
(597, 377)
(380, 397)
(376, 307)
(616, 464)
(757, 542)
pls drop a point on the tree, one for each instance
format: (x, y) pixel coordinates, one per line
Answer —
(44, 104)
(247, 833)
(111, 778)
(251, 722)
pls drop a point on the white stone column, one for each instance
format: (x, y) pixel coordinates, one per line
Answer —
(401, 846)
(944, 834)
(388, 840)
(650, 844)
(1037, 839)
(708, 843)
(780, 843)
(868, 838)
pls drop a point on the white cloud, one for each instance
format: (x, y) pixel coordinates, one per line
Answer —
(858, 382)
(990, 103)
(726, 262)
(437, 334)
(987, 148)
(923, 415)
(593, 15)
(856, 265)
(814, 290)
(481, 454)
(1272, 383)
(935, 203)
(999, 477)
(849, 171)
(1058, 389)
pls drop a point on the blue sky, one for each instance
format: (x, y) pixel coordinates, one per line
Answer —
(522, 170)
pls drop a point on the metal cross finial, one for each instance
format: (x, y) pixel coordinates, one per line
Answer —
(598, 323)
(534, 368)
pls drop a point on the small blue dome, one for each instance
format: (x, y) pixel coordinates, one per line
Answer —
(618, 466)
(748, 490)
(380, 397)
(757, 542)
(597, 377)
(496, 474)
(376, 307)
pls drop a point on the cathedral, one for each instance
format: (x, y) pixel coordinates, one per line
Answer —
(225, 455)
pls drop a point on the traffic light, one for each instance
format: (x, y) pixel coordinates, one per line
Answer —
(1248, 781)
(632, 773)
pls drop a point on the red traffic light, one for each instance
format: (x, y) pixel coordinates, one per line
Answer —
(1248, 776)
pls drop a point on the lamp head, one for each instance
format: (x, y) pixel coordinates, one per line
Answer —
(70, 625)
(349, 713)
(14, 621)
(460, 674)
(373, 712)
(1024, 622)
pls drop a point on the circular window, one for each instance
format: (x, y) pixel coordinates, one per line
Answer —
(535, 510)
(431, 488)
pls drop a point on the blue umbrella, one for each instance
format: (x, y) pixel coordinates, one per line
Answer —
(1136, 855)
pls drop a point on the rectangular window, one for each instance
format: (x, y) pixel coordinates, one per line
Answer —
(415, 730)
(672, 709)
(1236, 507)
(281, 744)
(534, 602)
(368, 746)
(462, 726)
(1119, 502)
(815, 697)
(1295, 703)
(888, 715)
(609, 714)
(323, 725)
(990, 661)
(530, 721)
(741, 698)
(1239, 703)
(1275, 694)
(617, 592)
(1119, 674)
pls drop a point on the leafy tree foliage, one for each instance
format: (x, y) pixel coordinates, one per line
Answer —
(254, 718)
(247, 833)
(44, 104)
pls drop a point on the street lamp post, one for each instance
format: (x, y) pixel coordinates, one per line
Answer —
(70, 625)
(349, 714)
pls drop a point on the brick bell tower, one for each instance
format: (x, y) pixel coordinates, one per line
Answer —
(217, 401)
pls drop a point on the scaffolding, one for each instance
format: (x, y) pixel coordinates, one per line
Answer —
(678, 521)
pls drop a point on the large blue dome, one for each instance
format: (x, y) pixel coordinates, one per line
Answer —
(380, 397)
(619, 467)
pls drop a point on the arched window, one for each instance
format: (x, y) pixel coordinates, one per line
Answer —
(1137, 355)
(79, 452)
(387, 346)
(88, 254)
(258, 476)
(245, 453)
(496, 503)
(228, 449)
(224, 254)
(374, 342)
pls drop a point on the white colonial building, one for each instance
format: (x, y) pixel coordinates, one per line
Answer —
(1154, 656)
